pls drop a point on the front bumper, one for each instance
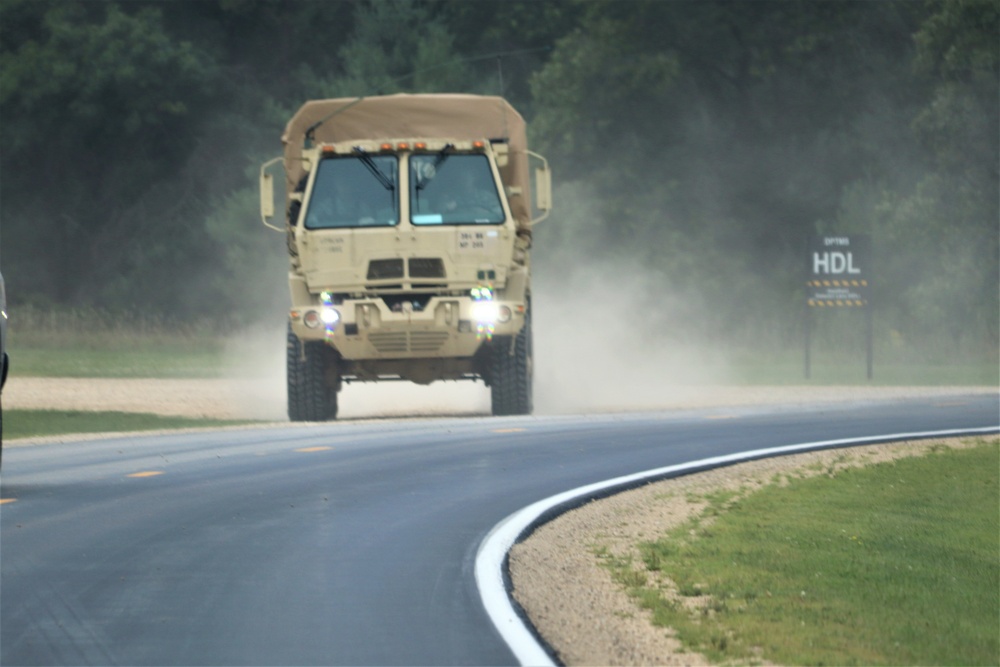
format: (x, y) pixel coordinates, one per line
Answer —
(447, 327)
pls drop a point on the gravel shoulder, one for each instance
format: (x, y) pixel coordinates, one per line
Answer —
(264, 398)
(214, 398)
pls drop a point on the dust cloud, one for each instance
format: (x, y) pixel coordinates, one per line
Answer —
(609, 339)
(609, 335)
(613, 338)
(256, 359)
(404, 399)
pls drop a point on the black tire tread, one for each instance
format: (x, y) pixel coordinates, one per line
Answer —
(511, 390)
(310, 398)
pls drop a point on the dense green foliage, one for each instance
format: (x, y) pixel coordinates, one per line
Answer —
(894, 564)
(701, 141)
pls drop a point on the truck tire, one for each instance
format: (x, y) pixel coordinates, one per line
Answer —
(311, 395)
(511, 374)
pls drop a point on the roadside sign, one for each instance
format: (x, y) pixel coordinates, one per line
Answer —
(839, 275)
(839, 272)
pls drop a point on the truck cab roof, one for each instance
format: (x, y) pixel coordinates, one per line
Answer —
(386, 117)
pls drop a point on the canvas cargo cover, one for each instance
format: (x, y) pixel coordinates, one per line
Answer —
(403, 116)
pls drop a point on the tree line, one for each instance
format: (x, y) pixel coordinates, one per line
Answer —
(703, 141)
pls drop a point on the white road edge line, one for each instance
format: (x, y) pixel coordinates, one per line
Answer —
(493, 550)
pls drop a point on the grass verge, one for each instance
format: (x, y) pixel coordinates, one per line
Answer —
(170, 360)
(166, 357)
(787, 370)
(95, 343)
(896, 563)
(30, 423)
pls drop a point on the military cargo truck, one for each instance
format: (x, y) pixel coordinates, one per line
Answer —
(408, 221)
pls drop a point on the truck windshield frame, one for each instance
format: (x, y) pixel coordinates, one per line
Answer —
(454, 189)
(347, 193)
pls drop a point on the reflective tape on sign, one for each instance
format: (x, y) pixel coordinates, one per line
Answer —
(837, 283)
(835, 303)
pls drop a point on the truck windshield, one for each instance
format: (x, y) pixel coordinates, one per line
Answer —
(453, 189)
(350, 193)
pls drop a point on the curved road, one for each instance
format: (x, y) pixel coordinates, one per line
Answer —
(343, 543)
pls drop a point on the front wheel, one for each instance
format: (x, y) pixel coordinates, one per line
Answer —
(511, 372)
(313, 379)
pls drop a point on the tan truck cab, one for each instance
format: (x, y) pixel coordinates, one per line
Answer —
(408, 221)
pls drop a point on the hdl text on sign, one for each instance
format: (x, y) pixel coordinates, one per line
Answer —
(839, 271)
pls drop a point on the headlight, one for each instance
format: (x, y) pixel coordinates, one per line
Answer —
(329, 316)
(485, 311)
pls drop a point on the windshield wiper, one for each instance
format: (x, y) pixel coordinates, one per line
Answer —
(366, 160)
(442, 155)
(438, 161)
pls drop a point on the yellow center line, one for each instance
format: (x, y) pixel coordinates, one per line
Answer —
(309, 450)
(4, 501)
(509, 430)
(146, 473)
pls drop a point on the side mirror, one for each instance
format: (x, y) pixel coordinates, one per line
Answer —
(541, 188)
(267, 195)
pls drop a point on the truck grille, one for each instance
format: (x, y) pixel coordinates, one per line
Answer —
(421, 342)
(426, 267)
(382, 269)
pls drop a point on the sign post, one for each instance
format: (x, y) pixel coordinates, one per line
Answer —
(838, 276)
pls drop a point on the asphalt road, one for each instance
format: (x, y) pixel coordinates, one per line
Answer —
(343, 543)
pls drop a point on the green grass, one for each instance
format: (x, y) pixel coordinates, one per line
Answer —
(92, 343)
(155, 361)
(849, 367)
(28, 423)
(207, 358)
(891, 564)
(789, 369)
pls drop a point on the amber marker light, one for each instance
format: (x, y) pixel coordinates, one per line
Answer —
(329, 150)
(420, 145)
(479, 145)
(403, 146)
(386, 147)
